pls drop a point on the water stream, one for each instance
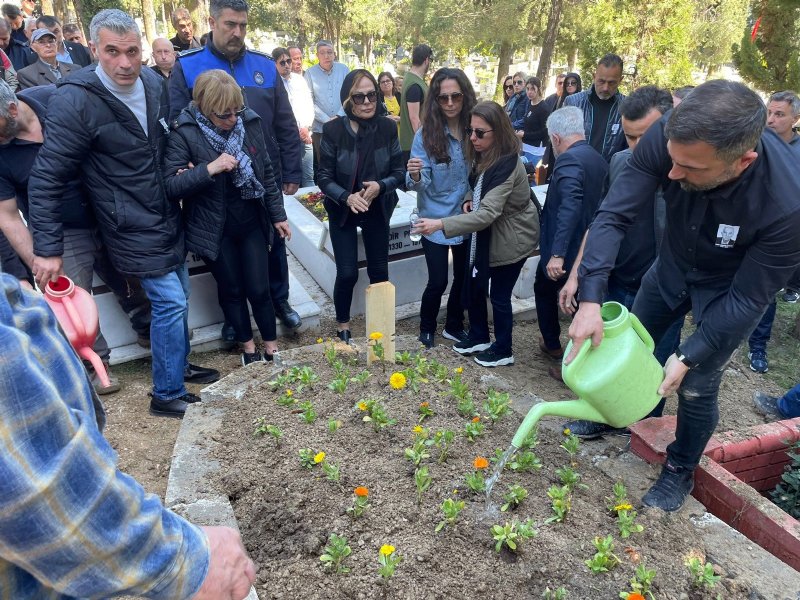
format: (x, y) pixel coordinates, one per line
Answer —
(498, 471)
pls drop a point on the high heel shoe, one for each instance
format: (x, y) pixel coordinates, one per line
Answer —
(344, 335)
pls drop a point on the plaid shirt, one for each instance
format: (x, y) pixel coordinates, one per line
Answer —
(71, 524)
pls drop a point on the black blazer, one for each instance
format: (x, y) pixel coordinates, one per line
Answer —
(337, 167)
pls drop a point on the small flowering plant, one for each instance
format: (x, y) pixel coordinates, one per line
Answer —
(474, 429)
(475, 480)
(604, 559)
(374, 342)
(496, 405)
(561, 503)
(512, 534)
(287, 398)
(442, 440)
(423, 480)
(375, 414)
(335, 552)
(308, 458)
(626, 521)
(264, 428)
(451, 509)
(360, 502)
(425, 411)
(515, 495)
(572, 445)
(397, 381)
(388, 560)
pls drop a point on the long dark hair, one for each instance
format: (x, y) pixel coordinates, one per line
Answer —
(506, 95)
(564, 93)
(505, 140)
(434, 138)
(389, 75)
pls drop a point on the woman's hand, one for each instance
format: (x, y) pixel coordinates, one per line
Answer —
(282, 227)
(467, 206)
(520, 133)
(370, 191)
(356, 203)
(414, 168)
(427, 226)
(223, 163)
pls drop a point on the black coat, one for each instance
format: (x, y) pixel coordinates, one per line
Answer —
(79, 53)
(204, 197)
(95, 137)
(20, 54)
(337, 167)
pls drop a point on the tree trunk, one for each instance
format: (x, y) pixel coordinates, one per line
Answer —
(553, 23)
(503, 66)
(199, 11)
(149, 13)
(59, 10)
(47, 7)
(572, 58)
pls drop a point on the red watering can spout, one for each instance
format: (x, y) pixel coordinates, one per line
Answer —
(76, 312)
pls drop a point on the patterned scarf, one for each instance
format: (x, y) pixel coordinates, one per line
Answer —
(243, 176)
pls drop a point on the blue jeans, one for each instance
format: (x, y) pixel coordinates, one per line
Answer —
(763, 331)
(169, 332)
(502, 282)
(789, 405)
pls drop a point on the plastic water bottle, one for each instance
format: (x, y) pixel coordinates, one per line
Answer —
(412, 219)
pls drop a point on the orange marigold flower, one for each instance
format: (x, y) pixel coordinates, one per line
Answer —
(361, 491)
(635, 596)
(476, 419)
(424, 405)
(480, 463)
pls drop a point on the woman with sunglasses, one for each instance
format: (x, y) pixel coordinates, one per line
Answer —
(572, 85)
(504, 225)
(517, 105)
(230, 202)
(437, 171)
(534, 132)
(389, 96)
(508, 89)
(360, 167)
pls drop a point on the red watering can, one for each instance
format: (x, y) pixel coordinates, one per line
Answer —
(76, 312)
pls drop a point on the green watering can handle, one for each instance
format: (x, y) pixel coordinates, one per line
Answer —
(643, 334)
(581, 356)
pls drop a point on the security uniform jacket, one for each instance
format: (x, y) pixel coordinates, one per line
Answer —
(93, 135)
(739, 240)
(263, 91)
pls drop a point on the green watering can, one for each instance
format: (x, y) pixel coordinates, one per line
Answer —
(616, 383)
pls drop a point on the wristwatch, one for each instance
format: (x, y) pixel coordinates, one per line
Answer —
(556, 256)
(685, 360)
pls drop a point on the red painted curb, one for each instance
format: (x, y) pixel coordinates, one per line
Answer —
(733, 460)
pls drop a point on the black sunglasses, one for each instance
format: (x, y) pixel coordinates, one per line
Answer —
(520, 82)
(445, 99)
(228, 115)
(283, 63)
(363, 98)
(509, 87)
(571, 83)
(386, 81)
(479, 133)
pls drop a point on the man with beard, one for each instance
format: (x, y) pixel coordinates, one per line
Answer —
(600, 106)
(732, 192)
(184, 27)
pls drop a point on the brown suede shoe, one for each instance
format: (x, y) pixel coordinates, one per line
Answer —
(555, 373)
(554, 354)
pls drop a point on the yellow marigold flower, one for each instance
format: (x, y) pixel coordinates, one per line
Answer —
(289, 393)
(319, 340)
(620, 507)
(361, 491)
(362, 406)
(459, 370)
(397, 381)
(480, 463)
(567, 431)
(387, 550)
(319, 457)
(375, 335)
(418, 429)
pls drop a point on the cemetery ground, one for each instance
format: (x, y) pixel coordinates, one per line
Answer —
(145, 446)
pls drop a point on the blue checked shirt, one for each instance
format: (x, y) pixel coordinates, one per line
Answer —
(71, 524)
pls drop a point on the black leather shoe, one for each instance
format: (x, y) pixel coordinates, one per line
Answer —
(228, 335)
(172, 408)
(344, 335)
(195, 374)
(288, 315)
(589, 430)
(426, 339)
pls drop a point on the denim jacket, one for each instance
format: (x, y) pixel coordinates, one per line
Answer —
(442, 187)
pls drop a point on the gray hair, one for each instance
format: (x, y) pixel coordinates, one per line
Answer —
(114, 20)
(566, 122)
(180, 13)
(7, 98)
(789, 97)
(216, 7)
(726, 115)
(323, 43)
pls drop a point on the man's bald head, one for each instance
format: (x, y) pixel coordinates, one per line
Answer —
(163, 54)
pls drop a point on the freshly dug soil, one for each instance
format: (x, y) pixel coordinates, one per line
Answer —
(286, 512)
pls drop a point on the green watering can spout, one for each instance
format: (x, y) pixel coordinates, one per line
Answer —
(616, 383)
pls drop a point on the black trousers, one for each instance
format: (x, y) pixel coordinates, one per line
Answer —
(241, 270)
(278, 270)
(437, 259)
(545, 291)
(375, 237)
(698, 412)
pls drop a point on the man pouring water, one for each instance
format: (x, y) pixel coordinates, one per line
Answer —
(721, 171)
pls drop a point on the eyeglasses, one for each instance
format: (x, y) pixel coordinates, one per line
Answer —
(386, 81)
(508, 87)
(479, 133)
(228, 115)
(571, 84)
(286, 62)
(520, 82)
(364, 98)
(47, 42)
(445, 99)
